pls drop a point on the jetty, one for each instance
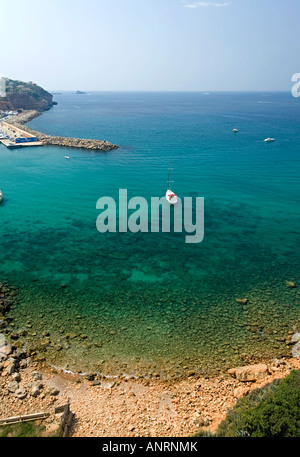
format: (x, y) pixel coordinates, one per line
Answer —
(16, 137)
(21, 135)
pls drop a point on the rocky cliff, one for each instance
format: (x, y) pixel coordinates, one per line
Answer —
(27, 96)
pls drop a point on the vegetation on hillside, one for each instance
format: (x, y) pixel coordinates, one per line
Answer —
(273, 411)
(23, 88)
(21, 430)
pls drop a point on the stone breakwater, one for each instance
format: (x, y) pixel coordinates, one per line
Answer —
(27, 116)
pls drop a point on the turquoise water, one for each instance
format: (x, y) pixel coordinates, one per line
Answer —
(148, 302)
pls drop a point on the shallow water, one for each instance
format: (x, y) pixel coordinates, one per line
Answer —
(149, 302)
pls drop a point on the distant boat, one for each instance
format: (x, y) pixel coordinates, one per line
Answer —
(67, 157)
(170, 196)
(235, 130)
(1, 196)
(268, 140)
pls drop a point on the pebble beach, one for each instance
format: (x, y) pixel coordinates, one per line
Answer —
(106, 406)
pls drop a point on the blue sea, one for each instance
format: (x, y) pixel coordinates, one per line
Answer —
(149, 304)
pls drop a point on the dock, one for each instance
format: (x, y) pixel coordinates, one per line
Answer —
(18, 137)
(12, 145)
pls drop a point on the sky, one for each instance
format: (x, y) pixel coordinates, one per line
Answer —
(151, 45)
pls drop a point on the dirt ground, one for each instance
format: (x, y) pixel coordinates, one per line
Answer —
(133, 407)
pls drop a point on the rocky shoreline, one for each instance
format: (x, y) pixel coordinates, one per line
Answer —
(109, 407)
(27, 116)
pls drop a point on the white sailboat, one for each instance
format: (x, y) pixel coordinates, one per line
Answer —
(170, 196)
(1, 196)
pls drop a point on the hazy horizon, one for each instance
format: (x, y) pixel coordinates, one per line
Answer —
(87, 91)
(151, 45)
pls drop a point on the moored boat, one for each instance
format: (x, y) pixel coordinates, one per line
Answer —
(171, 197)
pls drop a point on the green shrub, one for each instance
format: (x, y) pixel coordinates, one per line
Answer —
(203, 434)
(21, 430)
(273, 411)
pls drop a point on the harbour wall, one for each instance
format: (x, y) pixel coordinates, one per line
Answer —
(21, 119)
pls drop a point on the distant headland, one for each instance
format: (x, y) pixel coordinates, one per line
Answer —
(25, 96)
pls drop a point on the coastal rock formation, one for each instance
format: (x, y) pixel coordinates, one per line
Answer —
(295, 341)
(250, 372)
(27, 96)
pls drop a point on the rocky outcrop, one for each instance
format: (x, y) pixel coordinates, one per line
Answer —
(27, 96)
(295, 341)
(250, 372)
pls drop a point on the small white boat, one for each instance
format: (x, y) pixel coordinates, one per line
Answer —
(1, 196)
(235, 130)
(67, 157)
(170, 195)
(269, 140)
